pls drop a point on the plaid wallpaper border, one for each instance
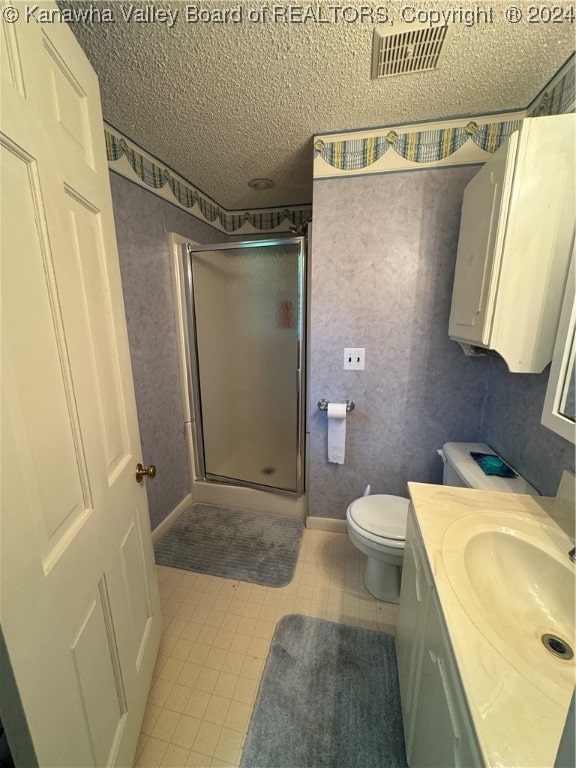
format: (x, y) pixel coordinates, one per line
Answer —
(559, 98)
(151, 174)
(434, 143)
(437, 142)
(426, 146)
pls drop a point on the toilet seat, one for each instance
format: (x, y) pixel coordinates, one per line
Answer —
(380, 518)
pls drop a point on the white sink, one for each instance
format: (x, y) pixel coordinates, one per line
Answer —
(514, 579)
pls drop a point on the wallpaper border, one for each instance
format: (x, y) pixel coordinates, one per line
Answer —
(126, 158)
(459, 141)
(387, 149)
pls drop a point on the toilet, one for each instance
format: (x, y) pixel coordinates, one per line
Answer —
(377, 523)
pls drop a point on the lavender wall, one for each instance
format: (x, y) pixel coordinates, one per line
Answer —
(143, 223)
(381, 271)
(383, 257)
(512, 427)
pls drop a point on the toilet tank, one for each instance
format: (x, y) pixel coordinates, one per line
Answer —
(462, 471)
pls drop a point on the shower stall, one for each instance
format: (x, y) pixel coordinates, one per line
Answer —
(244, 317)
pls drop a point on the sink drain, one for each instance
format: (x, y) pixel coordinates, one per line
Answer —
(557, 646)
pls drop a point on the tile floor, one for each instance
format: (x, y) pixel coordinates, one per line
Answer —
(215, 642)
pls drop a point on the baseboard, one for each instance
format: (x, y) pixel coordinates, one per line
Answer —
(171, 518)
(326, 524)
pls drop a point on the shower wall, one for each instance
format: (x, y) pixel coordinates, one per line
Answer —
(143, 223)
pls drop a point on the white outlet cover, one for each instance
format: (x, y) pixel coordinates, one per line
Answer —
(354, 358)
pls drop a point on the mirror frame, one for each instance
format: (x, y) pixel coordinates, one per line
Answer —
(565, 341)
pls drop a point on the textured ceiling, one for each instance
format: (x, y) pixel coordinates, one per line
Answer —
(222, 103)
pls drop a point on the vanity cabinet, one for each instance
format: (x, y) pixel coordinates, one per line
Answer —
(437, 726)
(414, 599)
(514, 246)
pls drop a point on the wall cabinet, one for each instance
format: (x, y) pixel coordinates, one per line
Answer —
(514, 247)
(437, 726)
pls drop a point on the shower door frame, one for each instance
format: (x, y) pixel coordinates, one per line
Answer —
(193, 369)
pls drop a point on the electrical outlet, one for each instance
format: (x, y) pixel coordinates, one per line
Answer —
(354, 359)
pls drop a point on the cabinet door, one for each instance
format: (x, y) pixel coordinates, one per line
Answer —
(409, 635)
(477, 262)
(442, 733)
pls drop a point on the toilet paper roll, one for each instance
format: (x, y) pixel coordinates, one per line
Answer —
(336, 432)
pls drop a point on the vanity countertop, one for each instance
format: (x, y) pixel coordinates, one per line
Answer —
(518, 693)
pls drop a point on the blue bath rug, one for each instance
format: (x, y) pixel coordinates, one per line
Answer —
(246, 546)
(329, 698)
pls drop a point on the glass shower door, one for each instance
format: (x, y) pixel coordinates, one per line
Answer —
(246, 301)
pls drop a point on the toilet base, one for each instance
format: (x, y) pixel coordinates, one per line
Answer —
(382, 580)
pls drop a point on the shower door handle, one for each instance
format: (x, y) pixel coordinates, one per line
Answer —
(149, 472)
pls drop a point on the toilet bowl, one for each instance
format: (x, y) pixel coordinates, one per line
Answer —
(377, 526)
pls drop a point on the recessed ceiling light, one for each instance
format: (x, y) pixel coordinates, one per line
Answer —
(261, 183)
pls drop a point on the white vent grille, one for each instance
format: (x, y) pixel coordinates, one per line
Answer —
(403, 53)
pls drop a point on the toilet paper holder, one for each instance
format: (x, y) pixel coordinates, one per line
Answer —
(323, 405)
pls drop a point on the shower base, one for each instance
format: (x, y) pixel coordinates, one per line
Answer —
(238, 497)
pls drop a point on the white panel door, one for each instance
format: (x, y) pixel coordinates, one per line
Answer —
(79, 598)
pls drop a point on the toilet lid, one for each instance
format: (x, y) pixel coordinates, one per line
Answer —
(382, 515)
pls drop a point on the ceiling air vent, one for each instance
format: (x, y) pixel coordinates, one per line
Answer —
(417, 48)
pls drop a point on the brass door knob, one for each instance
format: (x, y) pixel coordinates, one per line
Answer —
(149, 472)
